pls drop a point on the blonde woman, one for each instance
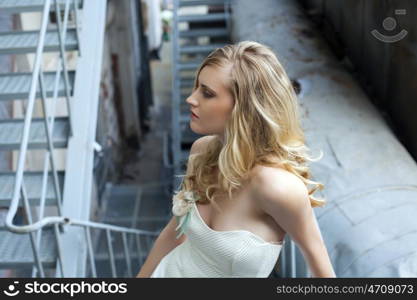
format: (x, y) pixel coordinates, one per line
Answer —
(246, 182)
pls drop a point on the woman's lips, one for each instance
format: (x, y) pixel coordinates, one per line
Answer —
(194, 115)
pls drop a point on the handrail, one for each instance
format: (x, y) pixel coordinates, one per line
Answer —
(19, 191)
(28, 118)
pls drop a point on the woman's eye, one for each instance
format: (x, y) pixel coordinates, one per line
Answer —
(207, 95)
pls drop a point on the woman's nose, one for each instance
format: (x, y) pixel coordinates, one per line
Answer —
(191, 100)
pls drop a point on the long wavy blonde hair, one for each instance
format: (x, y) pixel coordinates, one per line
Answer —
(264, 127)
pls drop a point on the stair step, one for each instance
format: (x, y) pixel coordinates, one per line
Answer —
(21, 42)
(11, 133)
(188, 66)
(33, 185)
(212, 17)
(121, 202)
(124, 190)
(119, 256)
(17, 85)
(212, 32)
(123, 193)
(19, 6)
(199, 48)
(186, 83)
(185, 96)
(16, 249)
(184, 3)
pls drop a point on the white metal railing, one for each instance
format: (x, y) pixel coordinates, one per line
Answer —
(34, 228)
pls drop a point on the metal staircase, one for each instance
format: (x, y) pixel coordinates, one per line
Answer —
(197, 30)
(58, 243)
(130, 206)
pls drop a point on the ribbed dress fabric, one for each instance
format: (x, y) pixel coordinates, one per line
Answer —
(211, 254)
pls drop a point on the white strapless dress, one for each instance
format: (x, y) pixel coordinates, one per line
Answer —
(210, 253)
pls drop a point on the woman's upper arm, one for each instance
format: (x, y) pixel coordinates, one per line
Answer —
(286, 199)
(170, 229)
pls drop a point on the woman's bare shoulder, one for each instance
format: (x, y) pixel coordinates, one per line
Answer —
(260, 172)
(278, 192)
(268, 180)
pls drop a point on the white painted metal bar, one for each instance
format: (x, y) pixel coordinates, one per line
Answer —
(51, 151)
(111, 253)
(62, 32)
(127, 254)
(42, 203)
(62, 240)
(136, 209)
(58, 243)
(283, 262)
(77, 25)
(139, 249)
(28, 119)
(293, 268)
(175, 132)
(90, 251)
(35, 250)
(79, 161)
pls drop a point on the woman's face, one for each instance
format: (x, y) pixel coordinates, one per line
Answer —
(211, 102)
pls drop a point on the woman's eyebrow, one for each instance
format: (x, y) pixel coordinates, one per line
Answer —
(207, 87)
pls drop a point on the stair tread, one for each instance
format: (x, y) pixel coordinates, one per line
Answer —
(33, 185)
(18, 42)
(186, 83)
(17, 85)
(204, 32)
(16, 249)
(16, 6)
(11, 133)
(200, 48)
(202, 2)
(212, 17)
(188, 65)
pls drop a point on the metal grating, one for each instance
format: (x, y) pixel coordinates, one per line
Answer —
(16, 249)
(21, 42)
(19, 6)
(11, 134)
(16, 85)
(33, 185)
